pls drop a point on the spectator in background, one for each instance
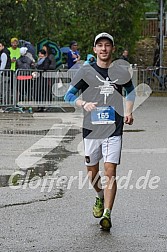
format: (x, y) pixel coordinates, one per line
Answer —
(14, 52)
(73, 55)
(90, 59)
(14, 55)
(52, 66)
(5, 63)
(124, 55)
(43, 63)
(25, 61)
(50, 55)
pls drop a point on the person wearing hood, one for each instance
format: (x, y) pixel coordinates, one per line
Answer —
(25, 61)
(90, 59)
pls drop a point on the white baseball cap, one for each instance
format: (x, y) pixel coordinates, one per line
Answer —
(104, 35)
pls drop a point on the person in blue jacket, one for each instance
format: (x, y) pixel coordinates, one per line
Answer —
(73, 55)
(90, 59)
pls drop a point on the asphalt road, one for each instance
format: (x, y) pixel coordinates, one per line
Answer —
(54, 213)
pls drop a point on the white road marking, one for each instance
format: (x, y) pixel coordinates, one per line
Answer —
(148, 151)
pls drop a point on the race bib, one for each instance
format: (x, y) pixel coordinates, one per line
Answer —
(103, 115)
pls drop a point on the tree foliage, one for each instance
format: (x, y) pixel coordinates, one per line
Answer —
(63, 21)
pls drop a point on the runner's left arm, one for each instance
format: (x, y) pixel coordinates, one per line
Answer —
(130, 98)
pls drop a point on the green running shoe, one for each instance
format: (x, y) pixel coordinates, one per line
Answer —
(98, 208)
(105, 221)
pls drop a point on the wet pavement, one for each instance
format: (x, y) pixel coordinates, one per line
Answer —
(46, 203)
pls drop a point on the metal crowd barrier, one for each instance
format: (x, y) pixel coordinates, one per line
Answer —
(155, 77)
(7, 89)
(42, 88)
(34, 88)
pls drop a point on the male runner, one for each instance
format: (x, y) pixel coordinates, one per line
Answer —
(102, 102)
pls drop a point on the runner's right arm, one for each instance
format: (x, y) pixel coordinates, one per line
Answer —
(72, 94)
